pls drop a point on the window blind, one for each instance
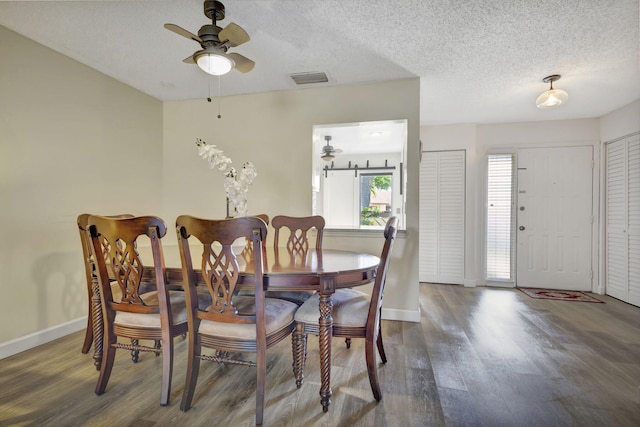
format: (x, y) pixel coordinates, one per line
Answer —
(499, 248)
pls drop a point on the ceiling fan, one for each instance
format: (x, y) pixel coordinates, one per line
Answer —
(328, 152)
(215, 41)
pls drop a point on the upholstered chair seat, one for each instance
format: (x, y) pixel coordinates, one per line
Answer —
(350, 308)
(178, 310)
(278, 315)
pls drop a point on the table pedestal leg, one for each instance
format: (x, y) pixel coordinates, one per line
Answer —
(324, 338)
(98, 326)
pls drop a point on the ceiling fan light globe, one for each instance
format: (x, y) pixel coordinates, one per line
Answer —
(551, 98)
(327, 157)
(213, 63)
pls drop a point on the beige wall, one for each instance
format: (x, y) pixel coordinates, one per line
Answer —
(274, 131)
(65, 130)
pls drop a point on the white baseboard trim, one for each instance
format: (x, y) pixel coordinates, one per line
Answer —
(470, 283)
(500, 284)
(402, 315)
(35, 339)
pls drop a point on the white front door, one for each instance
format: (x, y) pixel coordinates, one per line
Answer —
(554, 218)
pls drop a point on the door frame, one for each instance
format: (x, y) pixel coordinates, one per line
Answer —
(597, 209)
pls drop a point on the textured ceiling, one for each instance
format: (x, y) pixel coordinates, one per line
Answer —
(479, 61)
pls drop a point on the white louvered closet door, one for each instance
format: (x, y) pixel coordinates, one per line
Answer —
(616, 211)
(442, 213)
(622, 273)
(633, 219)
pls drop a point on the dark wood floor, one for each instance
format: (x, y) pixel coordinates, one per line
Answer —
(479, 356)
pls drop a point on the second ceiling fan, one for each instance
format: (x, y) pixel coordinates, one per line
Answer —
(215, 42)
(328, 152)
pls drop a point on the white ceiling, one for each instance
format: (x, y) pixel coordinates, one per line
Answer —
(479, 61)
(389, 136)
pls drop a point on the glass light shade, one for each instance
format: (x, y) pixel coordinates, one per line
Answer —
(327, 157)
(213, 63)
(551, 98)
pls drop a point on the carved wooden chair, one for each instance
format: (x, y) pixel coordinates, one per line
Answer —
(355, 315)
(158, 315)
(83, 224)
(94, 316)
(94, 310)
(230, 324)
(295, 234)
(299, 231)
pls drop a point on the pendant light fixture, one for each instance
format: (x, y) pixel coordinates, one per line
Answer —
(552, 97)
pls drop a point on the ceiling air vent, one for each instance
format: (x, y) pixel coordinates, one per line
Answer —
(309, 78)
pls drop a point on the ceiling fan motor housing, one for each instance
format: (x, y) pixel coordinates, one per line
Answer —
(209, 35)
(327, 149)
(214, 10)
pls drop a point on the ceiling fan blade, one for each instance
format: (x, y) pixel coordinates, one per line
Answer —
(189, 60)
(337, 150)
(181, 31)
(234, 34)
(243, 64)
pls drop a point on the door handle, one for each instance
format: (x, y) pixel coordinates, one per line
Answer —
(521, 228)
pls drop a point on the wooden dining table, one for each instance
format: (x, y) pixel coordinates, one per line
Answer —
(321, 270)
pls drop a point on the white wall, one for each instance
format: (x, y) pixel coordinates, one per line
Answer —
(72, 140)
(480, 140)
(620, 122)
(274, 131)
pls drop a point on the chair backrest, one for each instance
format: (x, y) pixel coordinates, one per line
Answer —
(299, 228)
(373, 317)
(219, 266)
(114, 246)
(85, 240)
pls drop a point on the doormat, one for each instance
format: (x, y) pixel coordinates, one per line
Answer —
(559, 295)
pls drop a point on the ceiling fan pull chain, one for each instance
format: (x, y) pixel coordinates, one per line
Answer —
(219, 116)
